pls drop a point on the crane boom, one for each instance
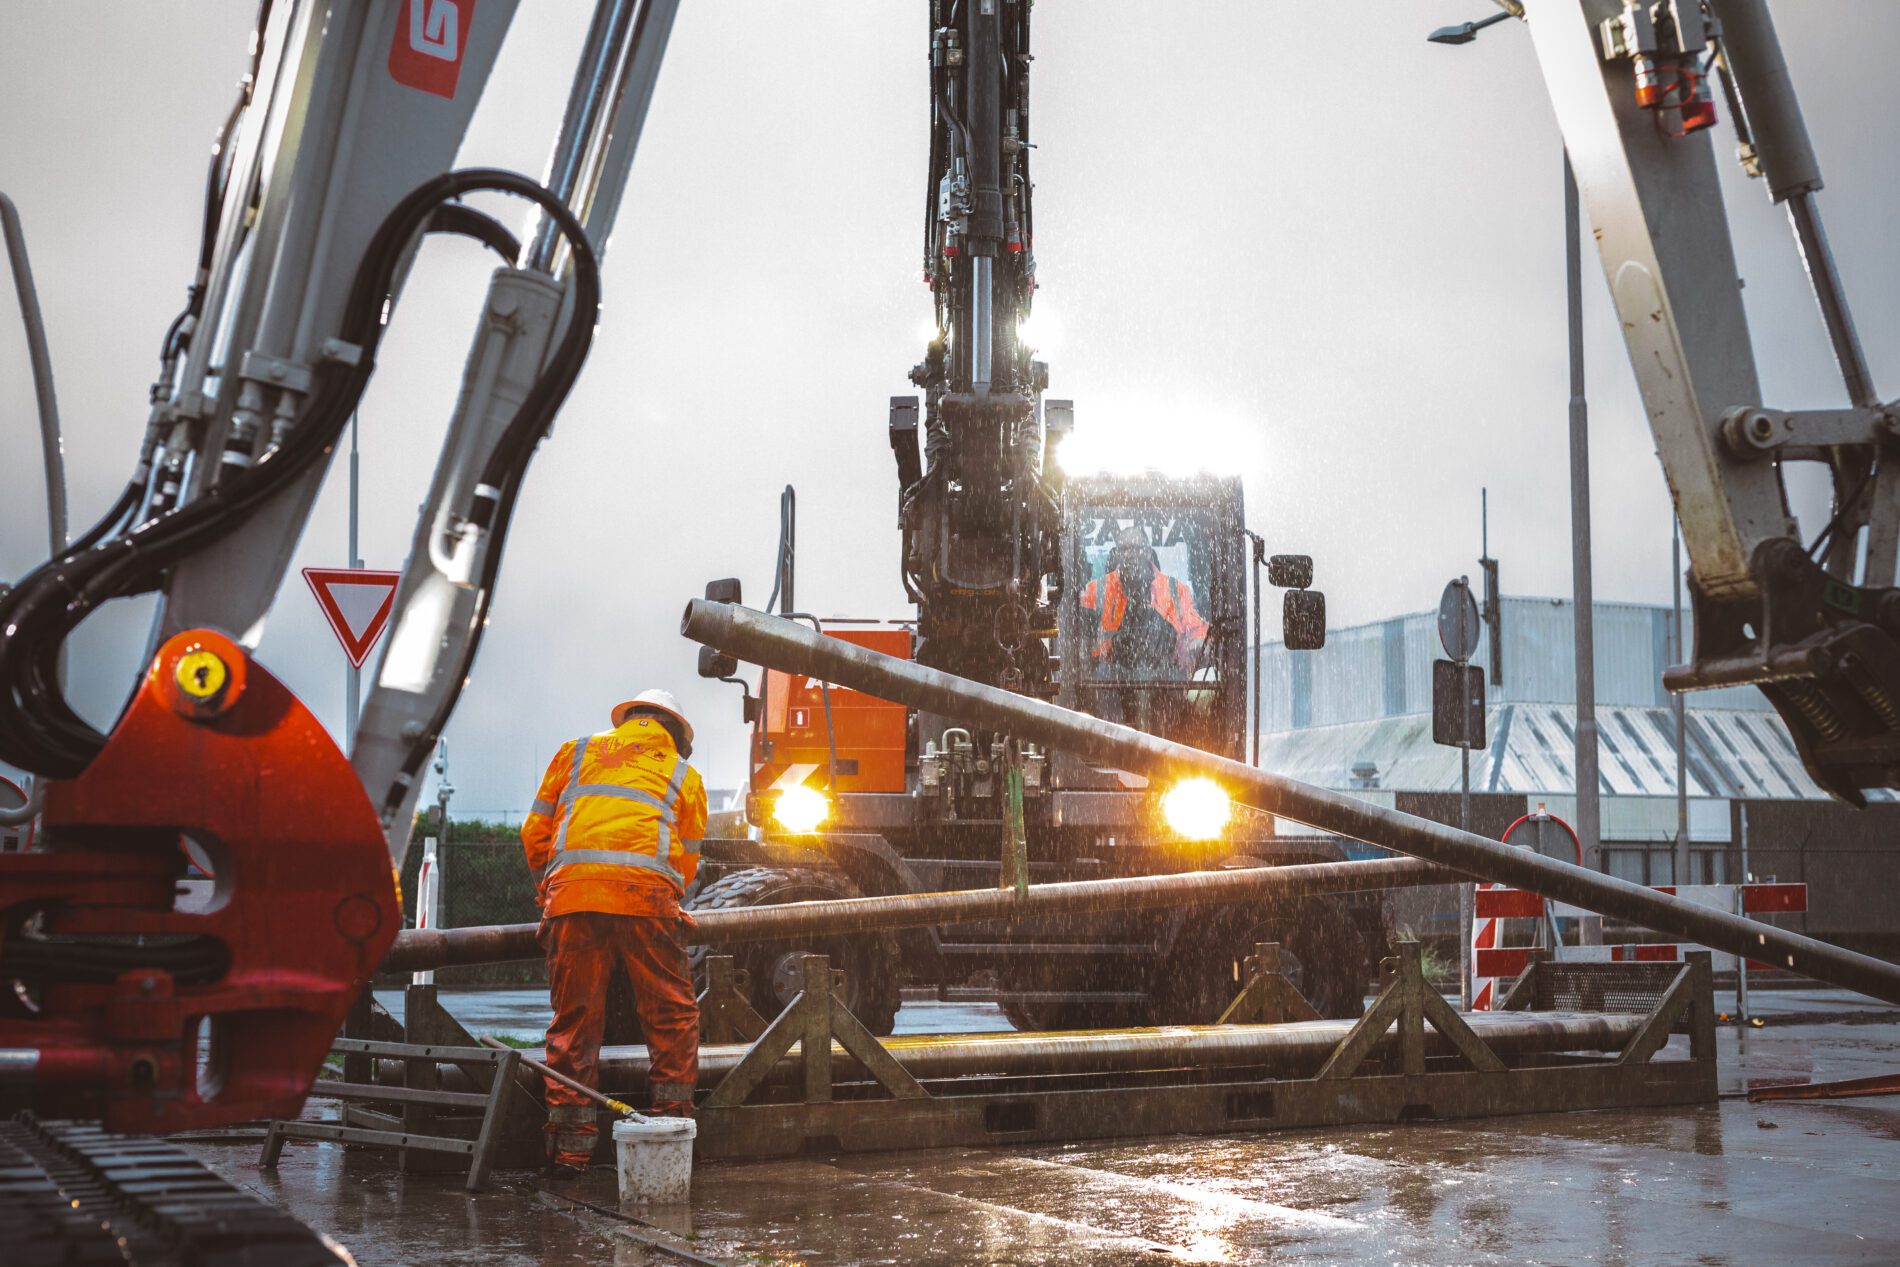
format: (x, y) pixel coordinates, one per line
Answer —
(1815, 624)
(978, 502)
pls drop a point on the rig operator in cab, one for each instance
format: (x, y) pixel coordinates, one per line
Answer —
(1146, 622)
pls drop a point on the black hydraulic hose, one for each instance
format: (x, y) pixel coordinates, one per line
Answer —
(783, 563)
(507, 465)
(38, 729)
(217, 182)
(787, 543)
(470, 223)
(101, 962)
(33, 326)
(1022, 155)
(824, 693)
(959, 134)
(938, 159)
(113, 519)
(218, 179)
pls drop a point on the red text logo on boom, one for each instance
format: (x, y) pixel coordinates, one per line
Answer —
(430, 38)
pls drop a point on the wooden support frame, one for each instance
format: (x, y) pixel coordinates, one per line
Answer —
(1267, 997)
(1690, 995)
(813, 1020)
(1369, 1078)
(725, 1014)
(1409, 1000)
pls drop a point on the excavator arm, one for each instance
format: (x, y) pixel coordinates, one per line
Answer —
(978, 488)
(332, 171)
(1814, 623)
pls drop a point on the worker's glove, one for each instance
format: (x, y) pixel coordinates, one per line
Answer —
(687, 921)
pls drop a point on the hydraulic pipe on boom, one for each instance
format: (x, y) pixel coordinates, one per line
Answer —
(495, 943)
(779, 644)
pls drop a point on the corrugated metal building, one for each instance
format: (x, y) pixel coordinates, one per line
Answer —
(1356, 716)
(1384, 669)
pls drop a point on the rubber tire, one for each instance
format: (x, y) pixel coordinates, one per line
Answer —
(1037, 1018)
(1070, 973)
(1326, 939)
(873, 989)
(1319, 955)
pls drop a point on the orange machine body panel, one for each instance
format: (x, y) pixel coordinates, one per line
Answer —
(789, 746)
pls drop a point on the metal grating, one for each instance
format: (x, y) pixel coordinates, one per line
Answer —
(1600, 987)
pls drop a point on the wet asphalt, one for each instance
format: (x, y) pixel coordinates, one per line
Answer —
(1731, 1183)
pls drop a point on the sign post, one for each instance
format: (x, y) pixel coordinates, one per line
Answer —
(1458, 722)
(352, 676)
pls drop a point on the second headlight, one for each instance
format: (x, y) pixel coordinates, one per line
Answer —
(1197, 809)
(800, 810)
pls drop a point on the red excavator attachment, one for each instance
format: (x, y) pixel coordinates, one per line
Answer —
(157, 1005)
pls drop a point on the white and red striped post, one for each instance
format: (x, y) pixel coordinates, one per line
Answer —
(1492, 963)
(428, 901)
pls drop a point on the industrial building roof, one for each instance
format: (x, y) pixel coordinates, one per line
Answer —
(1384, 668)
(1531, 750)
(1363, 703)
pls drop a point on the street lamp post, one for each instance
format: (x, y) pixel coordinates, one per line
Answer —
(1681, 866)
(1588, 807)
(1588, 823)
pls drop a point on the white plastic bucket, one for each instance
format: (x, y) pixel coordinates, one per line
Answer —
(654, 1156)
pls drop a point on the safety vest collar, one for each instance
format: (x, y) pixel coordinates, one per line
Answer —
(644, 730)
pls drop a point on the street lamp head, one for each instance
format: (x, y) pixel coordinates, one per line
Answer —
(1465, 32)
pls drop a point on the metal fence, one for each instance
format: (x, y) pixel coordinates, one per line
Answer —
(484, 880)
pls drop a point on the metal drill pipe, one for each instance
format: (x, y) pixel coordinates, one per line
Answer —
(777, 644)
(1295, 1050)
(440, 948)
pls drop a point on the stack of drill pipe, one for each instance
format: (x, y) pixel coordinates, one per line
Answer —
(780, 644)
(1293, 1050)
(440, 948)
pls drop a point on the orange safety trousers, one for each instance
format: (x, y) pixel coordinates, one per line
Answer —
(582, 950)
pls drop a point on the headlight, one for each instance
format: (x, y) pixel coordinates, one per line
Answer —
(800, 809)
(1197, 809)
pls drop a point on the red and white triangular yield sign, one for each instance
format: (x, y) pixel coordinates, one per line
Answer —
(356, 602)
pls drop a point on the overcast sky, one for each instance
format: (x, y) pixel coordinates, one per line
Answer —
(1295, 239)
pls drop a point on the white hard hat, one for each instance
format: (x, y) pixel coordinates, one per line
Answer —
(655, 699)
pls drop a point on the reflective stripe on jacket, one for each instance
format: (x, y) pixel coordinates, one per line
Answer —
(616, 824)
(1173, 600)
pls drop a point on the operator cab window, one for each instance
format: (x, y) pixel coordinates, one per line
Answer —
(1142, 604)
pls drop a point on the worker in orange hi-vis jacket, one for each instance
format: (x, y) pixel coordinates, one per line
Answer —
(1146, 618)
(613, 841)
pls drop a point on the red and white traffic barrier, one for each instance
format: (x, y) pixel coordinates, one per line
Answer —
(1487, 929)
(1494, 964)
(428, 901)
